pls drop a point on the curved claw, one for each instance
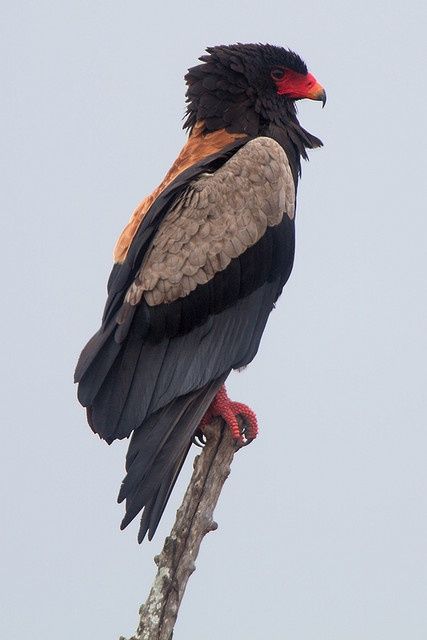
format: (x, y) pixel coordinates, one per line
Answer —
(199, 439)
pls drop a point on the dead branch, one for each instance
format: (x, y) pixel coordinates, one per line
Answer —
(194, 519)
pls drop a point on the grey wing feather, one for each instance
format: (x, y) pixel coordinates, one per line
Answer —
(219, 217)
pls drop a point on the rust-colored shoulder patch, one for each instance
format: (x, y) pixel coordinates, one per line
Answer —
(198, 146)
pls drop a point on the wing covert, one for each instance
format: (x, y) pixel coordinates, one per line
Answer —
(216, 220)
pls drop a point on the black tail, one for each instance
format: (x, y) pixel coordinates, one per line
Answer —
(156, 454)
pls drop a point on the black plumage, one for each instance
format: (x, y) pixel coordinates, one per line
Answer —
(154, 369)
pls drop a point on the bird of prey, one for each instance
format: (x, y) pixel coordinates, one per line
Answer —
(199, 268)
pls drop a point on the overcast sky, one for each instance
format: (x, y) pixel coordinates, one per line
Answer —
(322, 524)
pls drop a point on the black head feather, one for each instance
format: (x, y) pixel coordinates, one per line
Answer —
(233, 89)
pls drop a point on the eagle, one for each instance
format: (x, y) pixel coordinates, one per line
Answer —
(198, 269)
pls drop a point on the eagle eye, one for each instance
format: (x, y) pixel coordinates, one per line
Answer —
(278, 74)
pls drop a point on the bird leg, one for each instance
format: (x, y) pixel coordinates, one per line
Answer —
(230, 411)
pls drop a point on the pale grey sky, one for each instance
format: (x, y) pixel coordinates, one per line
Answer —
(322, 524)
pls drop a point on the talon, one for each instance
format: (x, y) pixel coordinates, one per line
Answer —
(199, 439)
(229, 411)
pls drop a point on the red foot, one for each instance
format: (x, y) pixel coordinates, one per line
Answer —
(228, 410)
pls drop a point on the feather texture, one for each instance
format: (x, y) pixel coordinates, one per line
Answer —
(198, 270)
(217, 219)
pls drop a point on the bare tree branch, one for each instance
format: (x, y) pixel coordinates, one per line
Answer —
(194, 520)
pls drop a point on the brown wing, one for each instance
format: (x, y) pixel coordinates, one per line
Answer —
(218, 219)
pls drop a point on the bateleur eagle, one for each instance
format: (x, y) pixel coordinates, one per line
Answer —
(199, 267)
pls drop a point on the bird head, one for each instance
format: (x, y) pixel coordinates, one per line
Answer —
(239, 85)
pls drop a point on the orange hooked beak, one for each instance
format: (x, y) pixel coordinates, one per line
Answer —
(299, 86)
(317, 92)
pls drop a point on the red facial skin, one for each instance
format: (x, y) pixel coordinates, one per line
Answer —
(297, 85)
